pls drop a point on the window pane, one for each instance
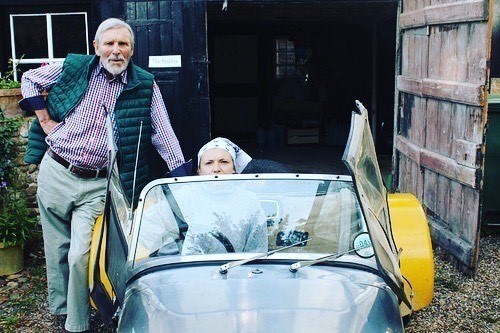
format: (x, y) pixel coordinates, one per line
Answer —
(280, 72)
(281, 44)
(69, 35)
(21, 68)
(281, 58)
(286, 60)
(30, 36)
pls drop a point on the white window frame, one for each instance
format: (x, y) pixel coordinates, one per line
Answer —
(50, 45)
(286, 65)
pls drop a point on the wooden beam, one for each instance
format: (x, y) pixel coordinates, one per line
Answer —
(449, 168)
(462, 92)
(413, 19)
(411, 85)
(395, 117)
(457, 12)
(407, 148)
(456, 246)
(440, 164)
(467, 93)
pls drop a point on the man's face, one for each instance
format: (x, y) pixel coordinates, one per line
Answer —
(115, 49)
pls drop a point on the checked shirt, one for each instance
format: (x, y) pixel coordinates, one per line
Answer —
(81, 137)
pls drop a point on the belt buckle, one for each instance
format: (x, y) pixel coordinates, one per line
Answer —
(71, 168)
(74, 170)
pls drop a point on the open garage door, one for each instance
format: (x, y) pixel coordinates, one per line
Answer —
(440, 116)
(284, 76)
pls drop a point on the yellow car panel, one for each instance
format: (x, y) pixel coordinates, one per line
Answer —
(97, 259)
(411, 234)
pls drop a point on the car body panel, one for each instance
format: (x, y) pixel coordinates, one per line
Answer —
(100, 288)
(412, 236)
(260, 298)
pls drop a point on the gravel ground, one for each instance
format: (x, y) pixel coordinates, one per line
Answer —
(460, 304)
(23, 298)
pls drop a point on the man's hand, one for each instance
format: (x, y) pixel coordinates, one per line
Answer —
(48, 125)
(45, 121)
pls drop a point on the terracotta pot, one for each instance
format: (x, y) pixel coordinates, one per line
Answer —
(9, 99)
(11, 259)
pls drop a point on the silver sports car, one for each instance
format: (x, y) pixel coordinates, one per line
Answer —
(264, 252)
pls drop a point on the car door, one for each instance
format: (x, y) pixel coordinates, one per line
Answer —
(108, 270)
(361, 160)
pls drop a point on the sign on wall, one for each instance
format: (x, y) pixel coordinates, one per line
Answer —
(166, 61)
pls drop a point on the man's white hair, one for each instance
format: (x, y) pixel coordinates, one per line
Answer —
(112, 23)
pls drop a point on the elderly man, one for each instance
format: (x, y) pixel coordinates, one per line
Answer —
(68, 139)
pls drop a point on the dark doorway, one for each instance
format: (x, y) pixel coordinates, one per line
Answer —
(285, 76)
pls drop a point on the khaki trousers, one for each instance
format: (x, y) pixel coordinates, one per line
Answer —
(68, 206)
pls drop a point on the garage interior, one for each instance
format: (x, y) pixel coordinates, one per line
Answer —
(283, 77)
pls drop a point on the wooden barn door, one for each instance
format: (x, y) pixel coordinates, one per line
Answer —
(440, 116)
(168, 30)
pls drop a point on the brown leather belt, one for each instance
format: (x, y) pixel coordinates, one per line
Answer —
(77, 171)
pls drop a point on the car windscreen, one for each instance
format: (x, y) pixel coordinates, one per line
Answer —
(247, 215)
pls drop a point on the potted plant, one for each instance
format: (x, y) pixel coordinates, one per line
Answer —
(16, 220)
(10, 93)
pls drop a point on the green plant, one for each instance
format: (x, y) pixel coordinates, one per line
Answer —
(16, 222)
(7, 79)
(9, 128)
